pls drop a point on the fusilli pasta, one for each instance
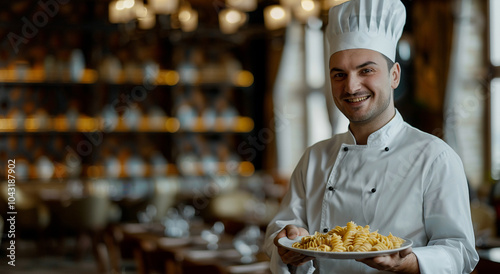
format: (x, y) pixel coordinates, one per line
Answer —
(350, 238)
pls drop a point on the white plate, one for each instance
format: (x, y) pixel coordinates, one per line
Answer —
(287, 243)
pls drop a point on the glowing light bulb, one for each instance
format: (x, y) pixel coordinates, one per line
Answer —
(307, 5)
(119, 5)
(306, 9)
(128, 4)
(275, 17)
(233, 17)
(277, 13)
(184, 16)
(230, 20)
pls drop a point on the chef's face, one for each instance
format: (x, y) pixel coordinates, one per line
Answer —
(362, 85)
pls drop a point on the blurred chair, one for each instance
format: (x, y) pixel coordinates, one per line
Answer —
(165, 195)
(120, 249)
(123, 249)
(87, 213)
(483, 219)
(494, 200)
(134, 247)
(32, 218)
(189, 265)
(88, 217)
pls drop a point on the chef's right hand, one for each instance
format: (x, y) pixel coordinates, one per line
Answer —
(288, 256)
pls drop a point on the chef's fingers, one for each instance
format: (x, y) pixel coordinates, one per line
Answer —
(406, 252)
(281, 234)
(292, 231)
(295, 258)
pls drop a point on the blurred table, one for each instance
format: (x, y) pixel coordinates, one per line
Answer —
(155, 253)
(489, 255)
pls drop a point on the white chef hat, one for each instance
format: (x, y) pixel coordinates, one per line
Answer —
(366, 24)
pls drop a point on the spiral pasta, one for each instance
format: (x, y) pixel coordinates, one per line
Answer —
(350, 238)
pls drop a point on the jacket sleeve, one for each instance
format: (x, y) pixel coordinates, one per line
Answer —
(447, 218)
(292, 211)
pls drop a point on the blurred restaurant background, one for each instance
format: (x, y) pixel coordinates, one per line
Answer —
(158, 136)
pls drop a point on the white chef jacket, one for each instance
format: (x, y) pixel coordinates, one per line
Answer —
(404, 181)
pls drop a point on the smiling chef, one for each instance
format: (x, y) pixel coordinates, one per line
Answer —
(382, 172)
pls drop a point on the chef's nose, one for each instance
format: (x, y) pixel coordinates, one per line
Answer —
(352, 83)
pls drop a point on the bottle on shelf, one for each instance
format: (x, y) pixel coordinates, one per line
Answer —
(188, 160)
(110, 69)
(76, 65)
(226, 112)
(186, 114)
(158, 164)
(132, 117)
(109, 118)
(156, 118)
(44, 167)
(72, 115)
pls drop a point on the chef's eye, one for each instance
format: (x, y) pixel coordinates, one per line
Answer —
(339, 76)
(367, 70)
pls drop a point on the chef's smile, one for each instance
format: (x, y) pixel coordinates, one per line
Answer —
(357, 99)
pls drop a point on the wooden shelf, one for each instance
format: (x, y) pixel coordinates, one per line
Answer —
(167, 78)
(92, 172)
(91, 124)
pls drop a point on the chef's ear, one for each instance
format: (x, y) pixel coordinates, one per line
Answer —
(395, 74)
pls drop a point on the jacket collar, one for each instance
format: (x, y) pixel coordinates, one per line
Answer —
(385, 134)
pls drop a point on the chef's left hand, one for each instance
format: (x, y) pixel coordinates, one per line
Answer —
(404, 261)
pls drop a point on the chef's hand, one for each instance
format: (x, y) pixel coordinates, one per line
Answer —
(288, 256)
(404, 261)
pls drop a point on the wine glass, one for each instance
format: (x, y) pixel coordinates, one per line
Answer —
(147, 216)
(175, 225)
(213, 235)
(247, 242)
